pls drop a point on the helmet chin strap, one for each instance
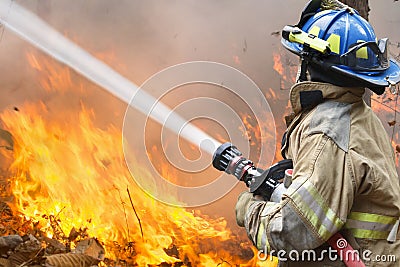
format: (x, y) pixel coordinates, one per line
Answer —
(302, 71)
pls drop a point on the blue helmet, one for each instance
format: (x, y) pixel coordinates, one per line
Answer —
(353, 54)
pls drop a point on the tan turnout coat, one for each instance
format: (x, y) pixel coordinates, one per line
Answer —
(344, 180)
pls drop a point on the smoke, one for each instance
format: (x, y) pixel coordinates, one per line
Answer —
(147, 36)
(140, 38)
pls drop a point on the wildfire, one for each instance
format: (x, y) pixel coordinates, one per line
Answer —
(74, 171)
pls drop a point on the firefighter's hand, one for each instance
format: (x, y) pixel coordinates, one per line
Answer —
(242, 206)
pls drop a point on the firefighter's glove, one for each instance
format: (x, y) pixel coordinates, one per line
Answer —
(242, 206)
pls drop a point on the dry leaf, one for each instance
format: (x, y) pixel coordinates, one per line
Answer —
(26, 251)
(5, 263)
(7, 137)
(54, 246)
(70, 260)
(10, 241)
(91, 247)
(391, 123)
(398, 148)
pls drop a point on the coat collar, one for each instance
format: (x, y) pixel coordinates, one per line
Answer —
(306, 95)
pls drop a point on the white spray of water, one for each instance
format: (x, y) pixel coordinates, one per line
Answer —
(39, 33)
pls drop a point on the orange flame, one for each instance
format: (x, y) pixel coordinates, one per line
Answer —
(75, 171)
(260, 135)
(56, 78)
(385, 107)
(278, 67)
(286, 70)
(236, 59)
(250, 130)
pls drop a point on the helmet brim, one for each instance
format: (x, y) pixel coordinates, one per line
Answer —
(292, 47)
(377, 79)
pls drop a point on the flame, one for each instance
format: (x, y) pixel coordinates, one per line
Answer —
(286, 70)
(250, 130)
(271, 94)
(56, 78)
(236, 59)
(259, 134)
(386, 108)
(75, 172)
(278, 66)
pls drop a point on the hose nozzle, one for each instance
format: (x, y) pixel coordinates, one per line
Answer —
(229, 159)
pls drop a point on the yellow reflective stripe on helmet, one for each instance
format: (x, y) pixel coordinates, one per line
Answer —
(314, 31)
(362, 52)
(334, 41)
(315, 209)
(369, 225)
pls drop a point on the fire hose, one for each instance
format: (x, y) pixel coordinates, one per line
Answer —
(270, 184)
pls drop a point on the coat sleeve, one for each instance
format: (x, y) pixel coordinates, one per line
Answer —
(315, 206)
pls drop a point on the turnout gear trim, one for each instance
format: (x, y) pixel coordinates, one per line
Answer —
(253, 221)
(262, 242)
(369, 225)
(311, 203)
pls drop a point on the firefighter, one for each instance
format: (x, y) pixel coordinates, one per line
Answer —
(344, 175)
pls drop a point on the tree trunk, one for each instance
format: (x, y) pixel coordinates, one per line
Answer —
(363, 8)
(360, 5)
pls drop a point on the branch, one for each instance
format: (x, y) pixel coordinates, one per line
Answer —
(222, 262)
(137, 216)
(123, 207)
(25, 263)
